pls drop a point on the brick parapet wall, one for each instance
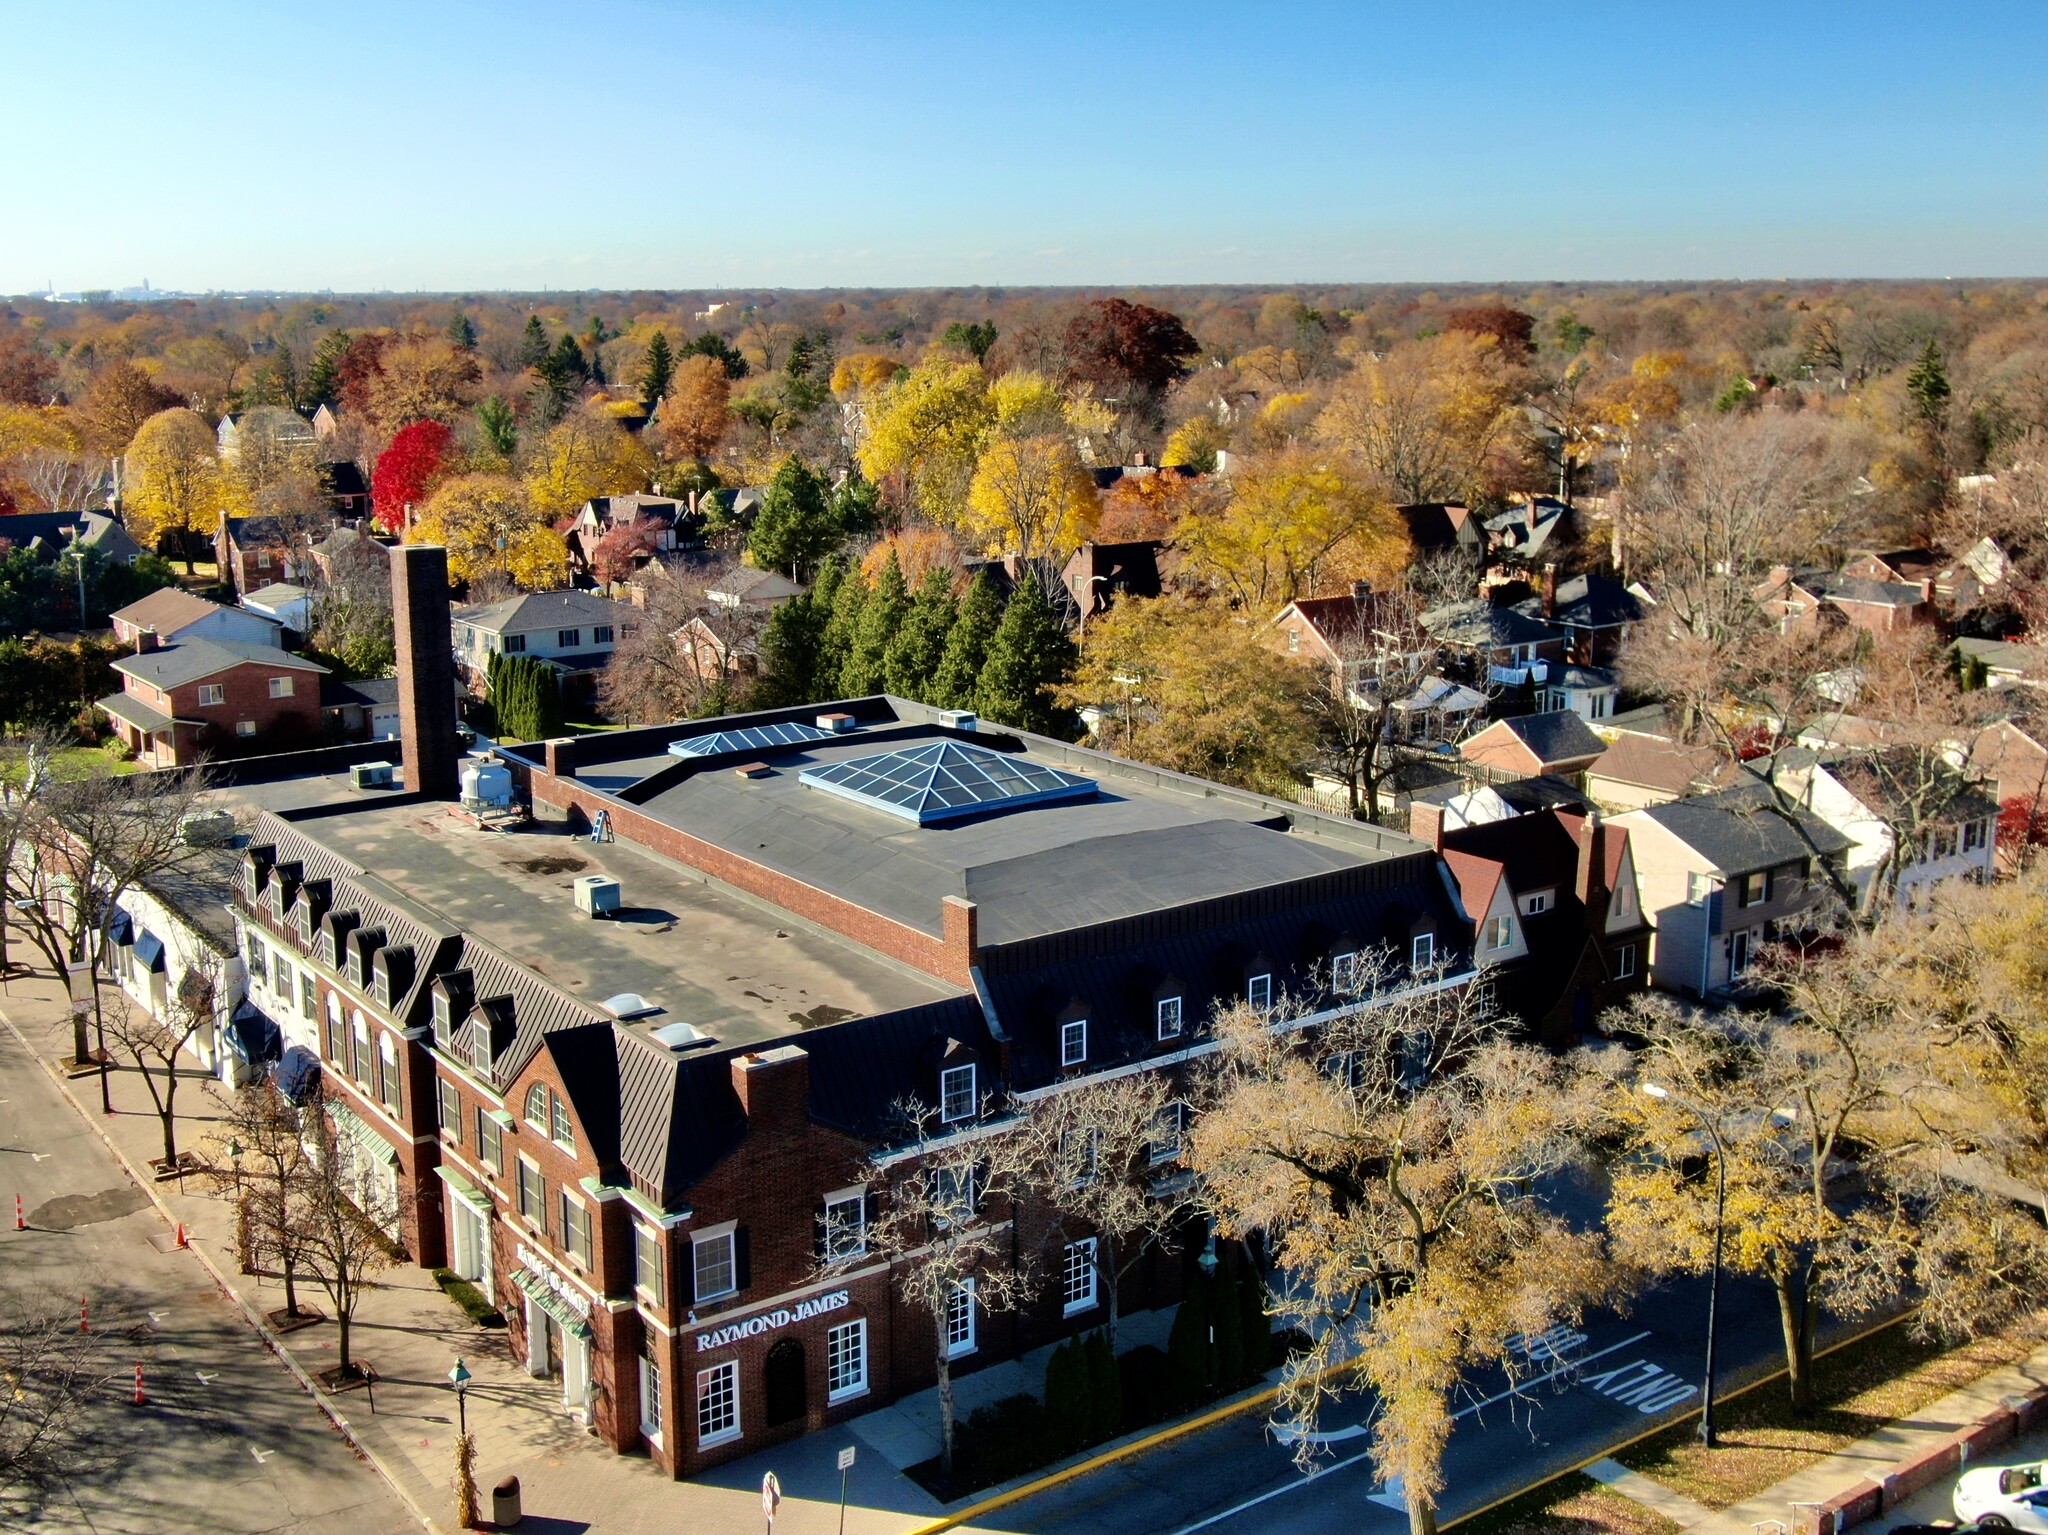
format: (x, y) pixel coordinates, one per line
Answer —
(1875, 1495)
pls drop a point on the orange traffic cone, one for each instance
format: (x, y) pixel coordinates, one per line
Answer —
(138, 1384)
(181, 1235)
(20, 1220)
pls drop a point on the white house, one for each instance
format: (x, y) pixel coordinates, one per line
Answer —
(1851, 791)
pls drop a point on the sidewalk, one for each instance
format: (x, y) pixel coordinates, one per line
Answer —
(412, 1334)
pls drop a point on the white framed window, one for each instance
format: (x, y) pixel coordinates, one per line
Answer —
(647, 1262)
(490, 1141)
(1501, 935)
(1258, 991)
(1624, 898)
(601, 635)
(1077, 1278)
(533, 1201)
(1080, 1156)
(1624, 962)
(362, 1062)
(1756, 888)
(211, 694)
(1537, 902)
(245, 727)
(449, 1105)
(1074, 1042)
(846, 1224)
(576, 1229)
(1346, 1067)
(1741, 945)
(563, 1132)
(718, 1403)
(280, 687)
(714, 1263)
(444, 1015)
(951, 1190)
(568, 639)
(956, 1093)
(309, 996)
(1169, 1017)
(846, 1360)
(650, 1393)
(1344, 973)
(1973, 835)
(960, 1320)
(1697, 888)
(537, 1107)
(515, 644)
(1422, 951)
(282, 981)
(1167, 1127)
(387, 1074)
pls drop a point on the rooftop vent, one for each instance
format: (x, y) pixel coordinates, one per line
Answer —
(959, 719)
(207, 828)
(680, 1036)
(630, 1004)
(753, 770)
(836, 724)
(597, 895)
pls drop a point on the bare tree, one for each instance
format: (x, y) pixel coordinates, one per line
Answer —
(1384, 659)
(260, 1157)
(343, 1226)
(1394, 1156)
(1094, 1149)
(686, 657)
(51, 1378)
(157, 1042)
(948, 1197)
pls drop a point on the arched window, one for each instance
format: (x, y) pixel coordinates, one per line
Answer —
(537, 1107)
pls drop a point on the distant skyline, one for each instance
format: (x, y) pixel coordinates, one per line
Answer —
(651, 144)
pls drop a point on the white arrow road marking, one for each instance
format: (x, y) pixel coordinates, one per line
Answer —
(156, 1318)
(261, 1455)
(1392, 1495)
(42, 1156)
(207, 1377)
(1342, 1465)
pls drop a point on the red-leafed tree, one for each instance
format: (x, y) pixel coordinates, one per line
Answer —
(1510, 327)
(1114, 343)
(407, 470)
(358, 371)
(619, 553)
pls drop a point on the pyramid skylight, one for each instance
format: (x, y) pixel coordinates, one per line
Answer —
(945, 780)
(753, 738)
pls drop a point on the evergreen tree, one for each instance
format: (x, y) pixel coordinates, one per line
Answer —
(856, 505)
(1029, 653)
(323, 378)
(794, 529)
(1928, 384)
(660, 371)
(533, 343)
(881, 619)
(500, 427)
(967, 642)
(548, 718)
(789, 655)
(1067, 1409)
(835, 648)
(1187, 1346)
(913, 658)
(462, 331)
(1105, 1390)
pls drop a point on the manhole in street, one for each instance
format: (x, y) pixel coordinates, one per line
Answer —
(67, 1212)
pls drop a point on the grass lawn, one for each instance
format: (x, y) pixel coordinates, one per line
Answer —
(1571, 1505)
(1858, 1389)
(79, 761)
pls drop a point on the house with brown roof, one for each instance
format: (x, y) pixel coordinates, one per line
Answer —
(1439, 525)
(199, 697)
(1532, 744)
(1639, 770)
(1097, 575)
(172, 614)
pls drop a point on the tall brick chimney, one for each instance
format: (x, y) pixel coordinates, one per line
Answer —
(146, 640)
(1550, 591)
(426, 669)
(773, 1086)
(1590, 883)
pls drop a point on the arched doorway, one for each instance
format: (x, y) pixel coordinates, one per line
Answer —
(784, 1373)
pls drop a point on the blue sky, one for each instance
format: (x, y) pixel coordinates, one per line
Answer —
(651, 143)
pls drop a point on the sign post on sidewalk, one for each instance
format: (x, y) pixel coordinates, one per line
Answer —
(845, 1465)
(771, 1498)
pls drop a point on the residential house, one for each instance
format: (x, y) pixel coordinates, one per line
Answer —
(260, 551)
(1437, 526)
(1639, 769)
(1558, 928)
(291, 430)
(173, 614)
(1534, 529)
(291, 605)
(1792, 598)
(340, 544)
(1533, 744)
(658, 525)
(55, 533)
(1097, 575)
(1500, 646)
(575, 632)
(742, 588)
(2011, 767)
(348, 493)
(198, 697)
(1590, 692)
(1455, 802)
(1882, 607)
(1723, 874)
(1594, 611)
(363, 710)
(2005, 663)
(1865, 795)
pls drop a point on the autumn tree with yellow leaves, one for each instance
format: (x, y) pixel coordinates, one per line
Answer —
(925, 431)
(1031, 497)
(175, 487)
(491, 526)
(585, 455)
(1423, 419)
(1297, 524)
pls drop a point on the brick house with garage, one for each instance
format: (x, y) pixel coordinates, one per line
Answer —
(199, 698)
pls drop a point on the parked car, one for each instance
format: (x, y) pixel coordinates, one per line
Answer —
(2003, 1498)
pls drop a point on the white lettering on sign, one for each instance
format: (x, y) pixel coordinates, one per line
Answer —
(769, 1321)
(1647, 1387)
(540, 1268)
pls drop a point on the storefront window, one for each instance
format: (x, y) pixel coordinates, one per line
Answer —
(846, 1360)
(1077, 1290)
(718, 1402)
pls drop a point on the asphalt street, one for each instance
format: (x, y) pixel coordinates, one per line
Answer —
(227, 1440)
(1581, 1393)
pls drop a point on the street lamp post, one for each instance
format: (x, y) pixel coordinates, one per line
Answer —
(459, 1377)
(243, 1258)
(1714, 1283)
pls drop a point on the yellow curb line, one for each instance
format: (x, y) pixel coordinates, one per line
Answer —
(1651, 1433)
(249, 1312)
(1097, 1462)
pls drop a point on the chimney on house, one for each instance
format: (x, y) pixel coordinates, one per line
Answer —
(146, 640)
(1426, 823)
(1141, 459)
(774, 1086)
(1550, 591)
(426, 669)
(1590, 885)
(1360, 590)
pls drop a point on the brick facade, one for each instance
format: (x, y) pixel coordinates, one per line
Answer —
(280, 724)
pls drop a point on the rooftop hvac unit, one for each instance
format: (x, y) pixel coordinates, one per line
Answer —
(838, 724)
(206, 828)
(958, 719)
(597, 895)
(486, 784)
(370, 775)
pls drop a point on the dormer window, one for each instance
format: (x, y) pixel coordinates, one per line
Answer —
(1537, 902)
(956, 1094)
(1422, 951)
(1169, 1018)
(480, 1047)
(1074, 1042)
(1344, 973)
(1258, 991)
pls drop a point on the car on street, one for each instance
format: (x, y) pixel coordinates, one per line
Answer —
(2003, 1498)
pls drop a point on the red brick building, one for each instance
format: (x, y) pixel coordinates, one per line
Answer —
(213, 698)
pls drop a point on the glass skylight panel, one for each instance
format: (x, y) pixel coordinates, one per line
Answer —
(753, 738)
(945, 779)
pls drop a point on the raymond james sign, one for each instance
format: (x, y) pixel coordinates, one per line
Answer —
(539, 1267)
(768, 1321)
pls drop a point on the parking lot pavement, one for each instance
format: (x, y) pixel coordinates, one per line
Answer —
(1932, 1503)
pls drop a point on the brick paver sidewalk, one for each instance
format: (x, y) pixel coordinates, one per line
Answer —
(412, 1334)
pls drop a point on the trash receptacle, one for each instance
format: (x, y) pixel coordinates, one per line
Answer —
(505, 1504)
